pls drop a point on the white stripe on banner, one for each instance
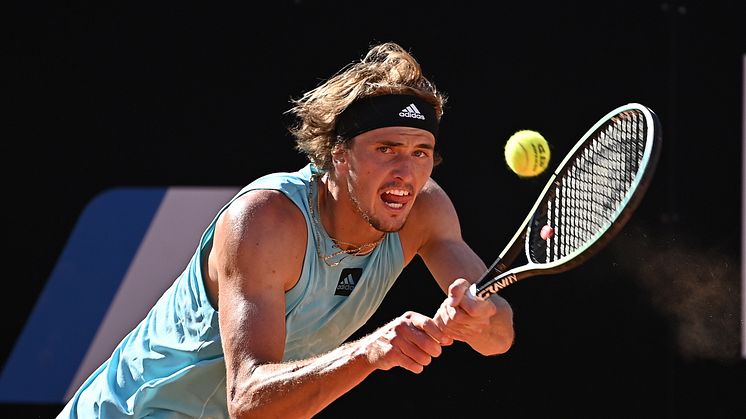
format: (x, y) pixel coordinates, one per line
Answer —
(743, 210)
(169, 243)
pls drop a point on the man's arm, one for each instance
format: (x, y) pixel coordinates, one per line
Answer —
(257, 255)
(487, 326)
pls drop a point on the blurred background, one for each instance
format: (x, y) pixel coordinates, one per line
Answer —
(161, 94)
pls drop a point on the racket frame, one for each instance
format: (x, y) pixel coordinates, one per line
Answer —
(498, 276)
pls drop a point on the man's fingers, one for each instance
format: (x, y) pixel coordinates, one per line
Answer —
(456, 292)
(458, 296)
(433, 329)
(426, 333)
(415, 341)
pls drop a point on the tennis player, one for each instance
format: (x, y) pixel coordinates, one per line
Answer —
(258, 323)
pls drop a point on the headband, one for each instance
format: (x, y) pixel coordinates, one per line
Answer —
(386, 111)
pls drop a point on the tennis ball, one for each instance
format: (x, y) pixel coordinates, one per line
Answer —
(527, 153)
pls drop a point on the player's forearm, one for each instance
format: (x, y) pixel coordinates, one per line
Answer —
(299, 389)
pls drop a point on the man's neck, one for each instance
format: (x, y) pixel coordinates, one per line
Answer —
(339, 216)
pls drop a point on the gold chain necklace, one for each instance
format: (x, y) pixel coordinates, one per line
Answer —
(354, 250)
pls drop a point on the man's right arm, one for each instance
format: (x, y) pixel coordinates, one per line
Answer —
(258, 251)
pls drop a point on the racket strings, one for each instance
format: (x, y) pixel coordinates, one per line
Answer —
(586, 198)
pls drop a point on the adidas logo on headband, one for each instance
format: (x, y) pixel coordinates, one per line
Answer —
(411, 111)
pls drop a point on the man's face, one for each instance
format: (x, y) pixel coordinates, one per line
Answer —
(385, 169)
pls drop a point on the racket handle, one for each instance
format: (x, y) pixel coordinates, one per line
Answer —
(473, 291)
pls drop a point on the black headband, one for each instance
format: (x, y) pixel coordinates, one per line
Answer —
(386, 111)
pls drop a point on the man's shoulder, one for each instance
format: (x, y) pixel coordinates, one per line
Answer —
(432, 212)
(264, 202)
(432, 197)
(274, 199)
(278, 180)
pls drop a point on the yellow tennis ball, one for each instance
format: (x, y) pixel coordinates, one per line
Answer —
(527, 153)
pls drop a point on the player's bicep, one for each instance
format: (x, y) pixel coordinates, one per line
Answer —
(258, 253)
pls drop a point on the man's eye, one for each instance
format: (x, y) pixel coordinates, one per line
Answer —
(421, 153)
(384, 149)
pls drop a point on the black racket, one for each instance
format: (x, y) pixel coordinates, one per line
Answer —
(588, 199)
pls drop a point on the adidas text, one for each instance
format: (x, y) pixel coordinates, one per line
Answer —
(411, 115)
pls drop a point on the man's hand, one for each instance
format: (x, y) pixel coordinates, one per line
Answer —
(463, 316)
(410, 341)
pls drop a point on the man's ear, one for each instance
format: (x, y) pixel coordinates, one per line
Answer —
(338, 154)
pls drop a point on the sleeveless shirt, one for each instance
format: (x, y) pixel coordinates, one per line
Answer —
(172, 364)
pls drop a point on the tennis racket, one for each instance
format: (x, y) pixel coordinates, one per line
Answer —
(587, 200)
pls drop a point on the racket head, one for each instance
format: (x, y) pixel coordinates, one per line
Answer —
(594, 190)
(588, 199)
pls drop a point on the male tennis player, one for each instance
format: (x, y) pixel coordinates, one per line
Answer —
(296, 262)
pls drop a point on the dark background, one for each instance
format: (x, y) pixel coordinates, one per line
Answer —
(168, 93)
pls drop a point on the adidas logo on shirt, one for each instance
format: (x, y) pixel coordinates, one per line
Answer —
(411, 111)
(347, 280)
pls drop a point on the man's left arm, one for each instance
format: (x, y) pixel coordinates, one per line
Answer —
(486, 325)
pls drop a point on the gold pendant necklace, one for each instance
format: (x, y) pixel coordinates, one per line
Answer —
(353, 250)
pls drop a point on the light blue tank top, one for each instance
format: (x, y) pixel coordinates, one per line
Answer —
(172, 364)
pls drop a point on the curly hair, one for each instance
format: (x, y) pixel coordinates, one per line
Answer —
(386, 69)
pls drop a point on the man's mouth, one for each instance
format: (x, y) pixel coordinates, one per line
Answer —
(396, 198)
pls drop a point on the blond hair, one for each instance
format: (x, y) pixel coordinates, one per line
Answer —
(386, 69)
